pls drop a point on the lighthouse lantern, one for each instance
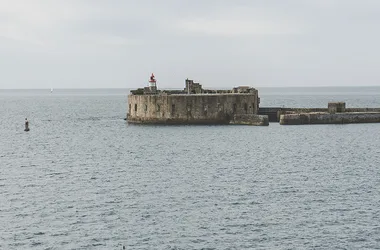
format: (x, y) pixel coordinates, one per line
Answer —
(152, 81)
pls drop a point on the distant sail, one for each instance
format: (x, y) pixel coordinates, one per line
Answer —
(51, 90)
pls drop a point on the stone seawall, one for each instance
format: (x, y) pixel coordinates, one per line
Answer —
(310, 110)
(192, 109)
(274, 113)
(327, 118)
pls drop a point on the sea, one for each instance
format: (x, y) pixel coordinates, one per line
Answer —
(82, 178)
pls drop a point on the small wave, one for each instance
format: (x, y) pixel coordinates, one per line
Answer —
(36, 243)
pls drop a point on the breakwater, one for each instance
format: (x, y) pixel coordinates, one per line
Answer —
(327, 118)
(274, 113)
(336, 114)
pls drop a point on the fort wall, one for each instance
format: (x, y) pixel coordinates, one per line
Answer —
(193, 108)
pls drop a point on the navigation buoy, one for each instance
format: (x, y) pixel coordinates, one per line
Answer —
(26, 125)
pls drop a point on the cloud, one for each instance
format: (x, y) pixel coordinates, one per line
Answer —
(242, 20)
(50, 23)
(236, 27)
(93, 39)
(279, 42)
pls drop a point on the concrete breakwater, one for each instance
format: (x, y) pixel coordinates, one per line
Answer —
(327, 118)
(274, 113)
(336, 113)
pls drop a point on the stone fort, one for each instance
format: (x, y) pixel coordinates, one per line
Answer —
(194, 105)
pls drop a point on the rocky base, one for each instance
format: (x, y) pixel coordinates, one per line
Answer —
(250, 119)
(255, 120)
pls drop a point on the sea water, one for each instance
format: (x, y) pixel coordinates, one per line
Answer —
(82, 178)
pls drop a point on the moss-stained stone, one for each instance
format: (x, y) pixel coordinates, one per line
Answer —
(195, 108)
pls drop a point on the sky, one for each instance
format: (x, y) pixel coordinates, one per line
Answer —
(219, 43)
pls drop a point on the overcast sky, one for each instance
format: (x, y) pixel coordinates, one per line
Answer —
(220, 43)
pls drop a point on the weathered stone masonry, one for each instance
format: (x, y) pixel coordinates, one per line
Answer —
(193, 108)
(194, 105)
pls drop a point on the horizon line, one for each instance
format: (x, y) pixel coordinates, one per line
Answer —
(103, 88)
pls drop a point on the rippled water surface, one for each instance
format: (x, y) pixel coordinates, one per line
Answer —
(82, 178)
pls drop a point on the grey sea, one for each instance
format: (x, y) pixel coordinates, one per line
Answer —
(82, 178)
